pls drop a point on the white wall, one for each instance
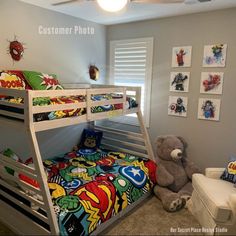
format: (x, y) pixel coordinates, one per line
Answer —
(68, 56)
(210, 143)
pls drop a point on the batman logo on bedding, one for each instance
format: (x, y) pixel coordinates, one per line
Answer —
(74, 224)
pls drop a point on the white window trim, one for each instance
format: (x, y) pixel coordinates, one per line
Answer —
(148, 78)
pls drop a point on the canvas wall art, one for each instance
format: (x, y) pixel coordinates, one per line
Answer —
(181, 56)
(211, 82)
(177, 106)
(179, 81)
(209, 109)
(214, 55)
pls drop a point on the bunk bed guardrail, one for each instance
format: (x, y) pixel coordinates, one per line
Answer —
(24, 111)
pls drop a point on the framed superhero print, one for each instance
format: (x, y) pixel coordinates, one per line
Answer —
(209, 109)
(181, 56)
(179, 81)
(177, 106)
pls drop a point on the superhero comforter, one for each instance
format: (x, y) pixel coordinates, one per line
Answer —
(88, 190)
(130, 103)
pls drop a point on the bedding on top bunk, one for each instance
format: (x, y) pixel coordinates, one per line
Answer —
(130, 103)
(41, 81)
(88, 190)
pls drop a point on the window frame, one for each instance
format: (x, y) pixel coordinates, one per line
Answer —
(147, 81)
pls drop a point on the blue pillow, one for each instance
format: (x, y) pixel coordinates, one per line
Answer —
(91, 139)
(229, 173)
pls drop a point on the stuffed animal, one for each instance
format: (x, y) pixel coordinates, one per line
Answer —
(174, 173)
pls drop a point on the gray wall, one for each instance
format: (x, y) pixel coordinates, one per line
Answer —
(68, 56)
(210, 143)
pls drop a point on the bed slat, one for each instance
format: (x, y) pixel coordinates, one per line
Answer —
(26, 169)
(107, 102)
(10, 104)
(23, 194)
(19, 226)
(13, 92)
(21, 183)
(117, 133)
(53, 124)
(57, 93)
(58, 107)
(124, 150)
(104, 115)
(28, 209)
(125, 143)
(12, 114)
(18, 170)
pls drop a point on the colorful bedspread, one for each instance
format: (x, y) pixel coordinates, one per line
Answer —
(130, 103)
(88, 190)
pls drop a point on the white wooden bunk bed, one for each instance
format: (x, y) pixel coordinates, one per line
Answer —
(23, 218)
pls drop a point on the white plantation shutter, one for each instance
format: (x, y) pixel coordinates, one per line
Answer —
(131, 65)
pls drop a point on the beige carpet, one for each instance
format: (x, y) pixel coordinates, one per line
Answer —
(152, 219)
(148, 219)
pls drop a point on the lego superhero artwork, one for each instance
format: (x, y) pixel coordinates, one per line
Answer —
(209, 109)
(214, 55)
(88, 189)
(179, 81)
(177, 106)
(211, 82)
(181, 56)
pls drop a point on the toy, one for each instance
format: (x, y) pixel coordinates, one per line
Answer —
(180, 57)
(174, 173)
(178, 107)
(208, 109)
(217, 51)
(212, 82)
(179, 81)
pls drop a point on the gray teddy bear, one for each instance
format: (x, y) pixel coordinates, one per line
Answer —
(174, 173)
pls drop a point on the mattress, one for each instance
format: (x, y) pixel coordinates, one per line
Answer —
(88, 189)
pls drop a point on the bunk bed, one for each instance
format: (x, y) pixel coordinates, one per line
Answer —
(16, 203)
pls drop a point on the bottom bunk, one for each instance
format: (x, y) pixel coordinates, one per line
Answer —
(88, 189)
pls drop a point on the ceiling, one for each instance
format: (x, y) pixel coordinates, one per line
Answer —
(89, 10)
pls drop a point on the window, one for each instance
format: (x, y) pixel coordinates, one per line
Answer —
(131, 65)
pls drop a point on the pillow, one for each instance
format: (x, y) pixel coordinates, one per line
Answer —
(41, 81)
(13, 79)
(90, 140)
(230, 171)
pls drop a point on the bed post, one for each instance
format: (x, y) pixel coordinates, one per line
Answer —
(144, 132)
(38, 165)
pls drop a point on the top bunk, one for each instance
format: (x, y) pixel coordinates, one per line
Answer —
(50, 109)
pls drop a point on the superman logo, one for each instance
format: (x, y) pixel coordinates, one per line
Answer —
(101, 194)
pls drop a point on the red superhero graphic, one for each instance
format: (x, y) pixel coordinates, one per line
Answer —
(211, 82)
(180, 57)
(107, 161)
(16, 50)
(101, 194)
